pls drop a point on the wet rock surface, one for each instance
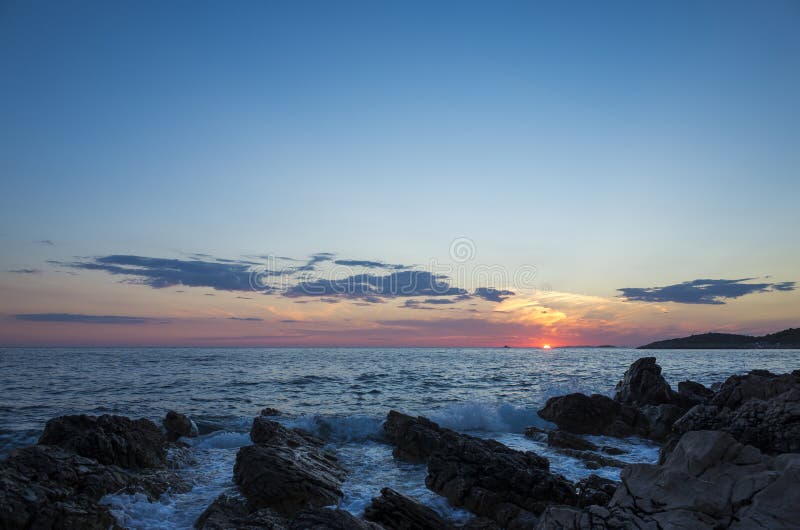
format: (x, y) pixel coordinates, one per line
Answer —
(642, 384)
(177, 425)
(484, 476)
(111, 440)
(287, 470)
(394, 511)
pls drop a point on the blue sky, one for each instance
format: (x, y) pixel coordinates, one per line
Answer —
(612, 145)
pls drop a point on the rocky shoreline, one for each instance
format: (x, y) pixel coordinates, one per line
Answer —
(730, 458)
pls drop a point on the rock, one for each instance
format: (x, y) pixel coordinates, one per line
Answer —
(659, 420)
(595, 414)
(232, 513)
(287, 471)
(611, 450)
(44, 486)
(394, 511)
(595, 490)
(772, 425)
(536, 433)
(694, 393)
(566, 440)
(265, 431)
(643, 384)
(709, 481)
(592, 460)
(758, 384)
(414, 439)
(178, 425)
(484, 476)
(330, 519)
(269, 411)
(117, 440)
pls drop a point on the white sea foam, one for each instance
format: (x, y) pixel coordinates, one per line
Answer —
(501, 417)
(338, 428)
(221, 440)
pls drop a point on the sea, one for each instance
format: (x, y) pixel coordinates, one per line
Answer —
(341, 395)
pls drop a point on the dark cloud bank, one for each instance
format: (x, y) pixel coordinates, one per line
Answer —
(702, 291)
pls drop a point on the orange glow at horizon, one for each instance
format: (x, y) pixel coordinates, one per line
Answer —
(546, 347)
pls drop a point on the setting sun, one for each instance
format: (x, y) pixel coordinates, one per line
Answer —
(546, 347)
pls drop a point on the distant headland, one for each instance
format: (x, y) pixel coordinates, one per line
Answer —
(787, 339)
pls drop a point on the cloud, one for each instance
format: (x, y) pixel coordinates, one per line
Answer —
(492, 295)
(311, 264)
(370, 264)
(247, 319)
(372, 288)
(702, 291)
(83, 319)
(25, 271)
(46, 242)
(159, 273)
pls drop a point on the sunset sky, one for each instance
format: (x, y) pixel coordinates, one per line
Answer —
(397, 174)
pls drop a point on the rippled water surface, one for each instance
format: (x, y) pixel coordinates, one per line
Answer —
(340, 394)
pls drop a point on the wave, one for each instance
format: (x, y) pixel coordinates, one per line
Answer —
(477, 416)
(220, 440)
(338, 428)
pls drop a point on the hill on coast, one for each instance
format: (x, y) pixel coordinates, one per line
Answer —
(788, 339)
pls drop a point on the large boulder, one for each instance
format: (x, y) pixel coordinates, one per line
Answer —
(595, 414)
(177, 425)
(693, 393)
(643, 384)
(287, 470)
(394, 511)
(117, 440)
(484, 476)
(709, 481)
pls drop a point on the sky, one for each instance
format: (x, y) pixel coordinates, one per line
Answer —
(397, 174)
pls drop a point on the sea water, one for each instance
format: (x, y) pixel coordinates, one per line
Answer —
(341, 395)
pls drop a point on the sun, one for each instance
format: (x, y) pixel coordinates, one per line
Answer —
(546, 347)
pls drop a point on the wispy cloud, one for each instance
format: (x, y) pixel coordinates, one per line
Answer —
(84, 319)
(25, 271)
(46, 242)
(247, 319)
(702, 291)
(374, 288)
(370, 264)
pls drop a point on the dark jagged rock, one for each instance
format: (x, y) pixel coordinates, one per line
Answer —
(233, 513)
(414, 439)
(659, 420)
(535, 433)
(595, 490)
(45, 486)
(643, 384)
(694, 393)
(709, 481)
(269, 411)
(611, 450)
(772, 425)
(758, 384)
(177, 425)
(330, 519)
(595, 414)
(265, 431)
(111, 440)
(394, 511)
(644, 405)
(565, 440)
(286, 470)
(484, 476)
